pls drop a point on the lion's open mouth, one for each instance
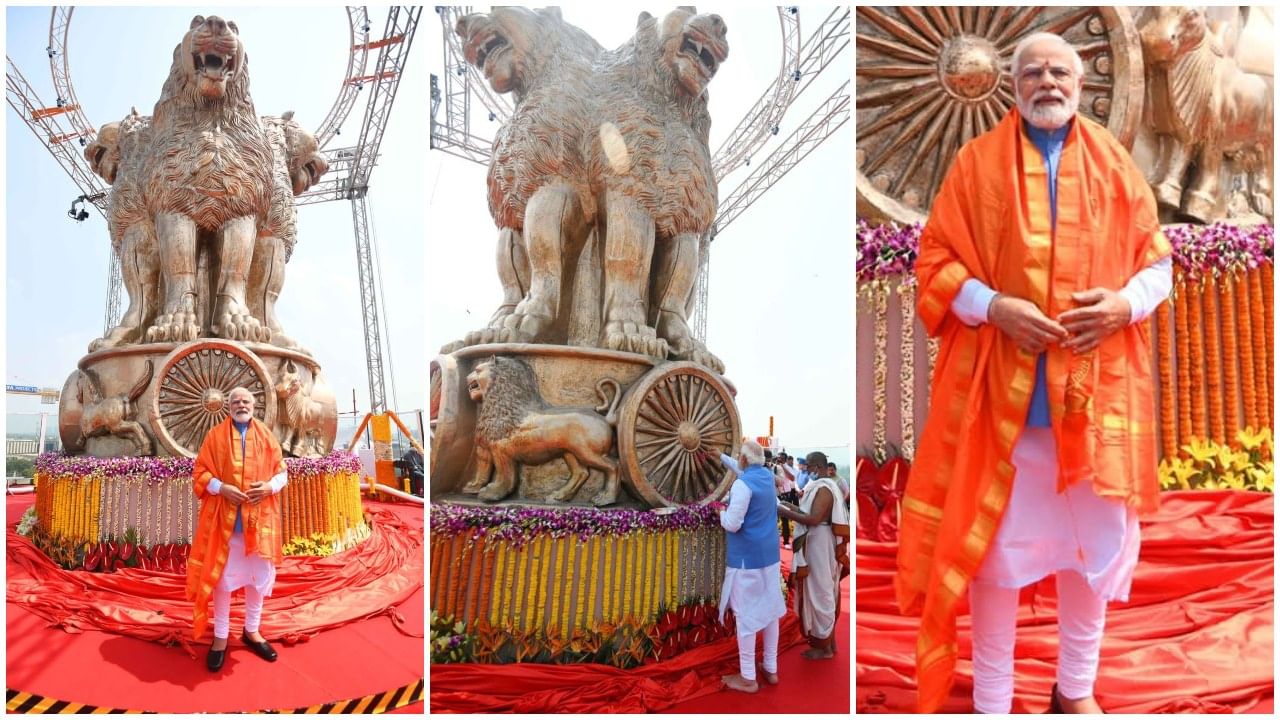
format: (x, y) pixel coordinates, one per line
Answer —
(698, 50)
(214, 64)
(487, 47)
(473, 386)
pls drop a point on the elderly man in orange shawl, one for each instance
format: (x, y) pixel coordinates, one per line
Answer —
(1041, 258)
(238, 472)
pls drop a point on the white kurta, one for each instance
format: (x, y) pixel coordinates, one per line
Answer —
(243, 570)
(1043, 531)
(754, 594)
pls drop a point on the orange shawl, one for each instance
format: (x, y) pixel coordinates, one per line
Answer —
(220, 457)
(991, 221)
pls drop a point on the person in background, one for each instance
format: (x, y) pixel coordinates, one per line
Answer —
(821, 540)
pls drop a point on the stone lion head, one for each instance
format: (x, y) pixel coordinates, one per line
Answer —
(306, 163)
(506, 390)
(479, 380)
(691, 47)
(211, 57)
(103, 153)
(511, 45)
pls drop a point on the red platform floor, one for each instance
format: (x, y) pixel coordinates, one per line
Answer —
(352, 662)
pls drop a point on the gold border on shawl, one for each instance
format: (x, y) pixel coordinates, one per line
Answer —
(921, 507)
(948, 280)
(937, 653)
(954, 581)
(1124, 424)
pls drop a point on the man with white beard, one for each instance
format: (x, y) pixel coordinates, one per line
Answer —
(1042, 255)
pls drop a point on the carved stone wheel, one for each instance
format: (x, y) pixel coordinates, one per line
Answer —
(931, 79)
(670, 414)
(192, 387)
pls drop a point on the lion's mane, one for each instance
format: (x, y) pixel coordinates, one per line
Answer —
(542, 142)
(512, 396)
(668, 169)
(209, 159)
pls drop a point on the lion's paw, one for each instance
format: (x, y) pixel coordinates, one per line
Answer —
(234, 324)
(174, 327)
(700, 355)
(632, 337)
(492, 493)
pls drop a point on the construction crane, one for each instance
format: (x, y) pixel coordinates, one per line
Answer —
(458, 88)
(64, 128)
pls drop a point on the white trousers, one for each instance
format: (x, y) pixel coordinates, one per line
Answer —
(1081, 617)
(222, 611)
(747, 651)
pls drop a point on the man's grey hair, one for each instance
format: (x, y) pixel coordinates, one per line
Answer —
(752, 451)
(242, 390)
(1034, 38)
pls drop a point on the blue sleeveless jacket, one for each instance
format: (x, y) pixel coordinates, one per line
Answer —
(755, 544)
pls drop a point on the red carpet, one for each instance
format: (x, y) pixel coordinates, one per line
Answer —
(688, 683)
(354, 661)
(1195, 636)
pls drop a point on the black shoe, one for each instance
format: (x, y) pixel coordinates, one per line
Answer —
(215, 659)
(261, 649)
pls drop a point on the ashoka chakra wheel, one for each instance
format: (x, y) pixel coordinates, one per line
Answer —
(931, 79)
(192, 388)
(673, 425)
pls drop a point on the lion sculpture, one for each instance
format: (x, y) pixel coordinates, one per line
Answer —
(116, 154)
(658, 187)
(297, 165)
(515, 426)
(207, 180)
(539, 192)
(1204, 108)
(600, 142)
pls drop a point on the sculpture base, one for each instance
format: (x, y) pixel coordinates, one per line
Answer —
(161, 398)
(100, 514)
(576, 586)
(661, 424)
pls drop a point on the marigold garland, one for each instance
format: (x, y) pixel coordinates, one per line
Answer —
(1269, 328)
(907, 380)
(1195, 325)
(1164, 358)
(1183, 341)
(1261, 349)
(880, 372)
(1248, 380)
(1213, 364)
(1230, 359)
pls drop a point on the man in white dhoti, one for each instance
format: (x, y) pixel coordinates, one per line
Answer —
(822, 536)
(753, 575)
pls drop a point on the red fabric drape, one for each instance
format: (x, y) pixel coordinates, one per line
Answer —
(590, 688)
(1195, 636)
(310, 594)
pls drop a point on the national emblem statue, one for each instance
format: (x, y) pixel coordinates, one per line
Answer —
(601, 183)
(202, 218)
(602, 190)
